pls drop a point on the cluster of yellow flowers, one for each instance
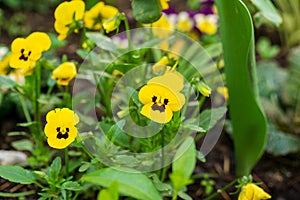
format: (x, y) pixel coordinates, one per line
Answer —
(70, 16)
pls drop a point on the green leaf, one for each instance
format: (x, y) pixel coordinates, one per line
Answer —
(132, 184)
(185, 158)
(111, 193)
(268, 11)
(71, 185)
(102, 41)
(146, 11)
(55, 168)
(265, 49)
(184, 164)
(6, 82)
(193, 4)
(23, 145)
(17, 174)
(210, 117)
(248, 120)
(280, 143)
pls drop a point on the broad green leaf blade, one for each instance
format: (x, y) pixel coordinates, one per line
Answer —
(183, 164)
(71, 185)
(133, 184)
(17, 174)
(6, 82)
(268, 11)
(146, 11)
(248, 120)
(210, 117)
(102, 41)
(185, 158)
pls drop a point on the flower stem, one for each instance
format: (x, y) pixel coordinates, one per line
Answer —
(25, 108)
(67, 168)
(162, 170)
(36, 105)
(127, 31)
(219, 191)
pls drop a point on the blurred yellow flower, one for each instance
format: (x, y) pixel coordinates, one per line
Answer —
(66, 15)
(4, 65)
(223, 91)
(184, 22)
(26, 51)
(60, 128)
(252, 192)
(64, 73)
(161, 97)
(164, 4)
(100, 16)
(207, 24)
(161, 65)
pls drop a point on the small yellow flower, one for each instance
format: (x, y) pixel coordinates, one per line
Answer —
(252, 192)
(26, 51)
(164, 4)
(98, 16)
(207, 24)
(60, 128)
(223, 91)
(66, 14)
(4, 65)
(184, 22)
(64, 73)
(161, 97)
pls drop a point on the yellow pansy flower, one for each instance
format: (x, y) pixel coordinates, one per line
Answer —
(66, 14)
(223, 91)
(184, 22)
(207, 24)
(97, 17)
(4, 65)
(60, 128)
(164, 4)
(26, 51)
(161, 97)
(64, 73)
(250, 191)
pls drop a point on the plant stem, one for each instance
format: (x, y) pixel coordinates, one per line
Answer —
(36, 106)
(163, 169)
(219, 191)
(20, 194)
(67, 168)
(127, 31)
(25, 108)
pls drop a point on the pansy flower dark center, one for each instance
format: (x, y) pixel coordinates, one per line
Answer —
(62, 133)
(24, 55)
(158, 105)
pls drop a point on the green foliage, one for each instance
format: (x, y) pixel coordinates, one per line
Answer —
(17, 174)
(6, 82)
(265, 49)
(268, 10)
(210, 117)
(183, 165)
(248, 120)
(132, 183)
(111, 193)
(146, 11)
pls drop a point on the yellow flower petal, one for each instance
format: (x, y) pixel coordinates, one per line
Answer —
(64, 73)
(223, 91)
(4, 65)
(171, 79)
(39, 41)
(109, 12)
(161, 65)
(110, 25)
(156, 115)
(64, 15)
(252, 192)
(18, 44)
(164, 4)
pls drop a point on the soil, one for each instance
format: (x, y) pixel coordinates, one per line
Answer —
(280, 176)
